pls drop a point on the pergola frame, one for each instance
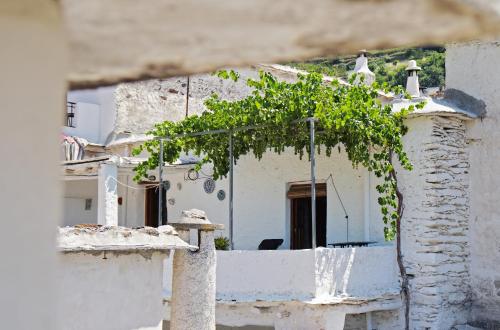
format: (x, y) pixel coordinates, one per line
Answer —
(230, 133)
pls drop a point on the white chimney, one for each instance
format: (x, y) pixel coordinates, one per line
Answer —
(412, 85)
(362, 68)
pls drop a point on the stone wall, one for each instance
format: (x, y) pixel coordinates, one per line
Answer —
(435, 223)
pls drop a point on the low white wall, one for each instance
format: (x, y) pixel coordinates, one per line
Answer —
(110, 291)
(265, 275)
(356, 272)
(285, 275)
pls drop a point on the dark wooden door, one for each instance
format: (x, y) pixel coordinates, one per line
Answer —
(301, 224)
(151, 210)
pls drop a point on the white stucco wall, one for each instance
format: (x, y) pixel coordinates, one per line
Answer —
(32, 82)
(75, 194)
(131, 211)
(475, 69)
(87, 122)
(261, 208)
(95, 113)
(110, 290)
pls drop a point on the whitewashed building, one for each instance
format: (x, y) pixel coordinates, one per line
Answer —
(450, 142)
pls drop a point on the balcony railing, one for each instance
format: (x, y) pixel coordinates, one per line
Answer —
(70, 114)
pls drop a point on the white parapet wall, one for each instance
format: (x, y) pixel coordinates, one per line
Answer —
(300, 282)
(111, 277)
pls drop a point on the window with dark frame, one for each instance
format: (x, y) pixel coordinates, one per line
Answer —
(70, 114)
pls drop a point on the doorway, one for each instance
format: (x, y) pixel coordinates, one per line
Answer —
(151, 207)
(300, 216)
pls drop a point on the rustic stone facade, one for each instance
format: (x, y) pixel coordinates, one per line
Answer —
(435, 225)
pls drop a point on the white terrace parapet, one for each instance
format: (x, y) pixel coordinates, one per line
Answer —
(103, 238)
(322, 276)
(111, 277)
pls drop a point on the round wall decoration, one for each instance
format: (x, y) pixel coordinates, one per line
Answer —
(221, 195)
(192, 174)
(209, 185)
(171, 201)
(166, 185)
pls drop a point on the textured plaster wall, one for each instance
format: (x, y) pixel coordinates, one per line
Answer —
(169, 38)
(141, 105)
(474, 69)
(110, 291)
(435, 223)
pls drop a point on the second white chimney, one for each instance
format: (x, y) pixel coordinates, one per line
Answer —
(412, 84)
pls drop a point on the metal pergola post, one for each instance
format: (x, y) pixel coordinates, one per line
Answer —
(160, 185)
(231, 170)
(313, 182)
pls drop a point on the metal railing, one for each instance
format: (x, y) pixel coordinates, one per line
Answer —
(70, 114)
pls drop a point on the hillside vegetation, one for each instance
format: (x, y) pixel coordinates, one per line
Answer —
(388, 65)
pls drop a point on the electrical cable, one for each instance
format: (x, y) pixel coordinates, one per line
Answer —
(341, 203)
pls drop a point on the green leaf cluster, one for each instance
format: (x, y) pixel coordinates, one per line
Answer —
(348, 117)
(221, 243)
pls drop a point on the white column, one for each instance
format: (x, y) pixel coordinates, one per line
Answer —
(367, 197)
(193, 285)
(107, 205)
(32, 93)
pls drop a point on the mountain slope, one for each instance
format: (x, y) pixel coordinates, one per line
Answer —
(388, 65)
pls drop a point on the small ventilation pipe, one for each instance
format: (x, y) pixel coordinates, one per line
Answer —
(361, 68)
(412, 84)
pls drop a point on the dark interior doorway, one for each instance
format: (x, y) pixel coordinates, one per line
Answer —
(301, 224)
(151, 210)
